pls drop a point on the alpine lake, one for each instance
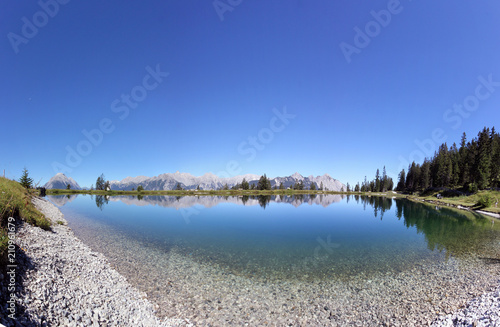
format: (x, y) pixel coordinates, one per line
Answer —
(301, 260)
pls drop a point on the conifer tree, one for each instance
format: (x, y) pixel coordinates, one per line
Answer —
(483, 158)
(365, 186)
(385, 180)
(390, 184)
(377, 181)
(463, 164)
(25, 180)
(425, 174)
(410, 178)
(401, 187)
(244, 184)
(264, 183)
(100, 183)
(495, 158)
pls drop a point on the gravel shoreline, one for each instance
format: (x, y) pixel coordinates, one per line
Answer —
(62, 282)
(481, 311)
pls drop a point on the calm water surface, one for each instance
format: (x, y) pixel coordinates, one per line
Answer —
(313, 237)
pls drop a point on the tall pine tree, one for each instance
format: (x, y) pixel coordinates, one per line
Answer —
(463, 163)
(401, 187)
(483, 159)
(495, 158)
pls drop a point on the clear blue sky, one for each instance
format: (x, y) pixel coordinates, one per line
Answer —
(361, 101)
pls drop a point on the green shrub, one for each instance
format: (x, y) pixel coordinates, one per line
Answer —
(484, 201)
(472, 188)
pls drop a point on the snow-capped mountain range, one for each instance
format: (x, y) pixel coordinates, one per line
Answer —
(61, 181)
(187, 181)
(329, 183)
(208, 181)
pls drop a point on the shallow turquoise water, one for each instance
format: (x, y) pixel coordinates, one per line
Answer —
(289, 237)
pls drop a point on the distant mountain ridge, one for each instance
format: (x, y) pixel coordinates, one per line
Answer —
(187, 181)
(61, 181)
(329, 183)
(208, 181)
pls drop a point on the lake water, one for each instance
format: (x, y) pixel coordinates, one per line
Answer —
(277, 239)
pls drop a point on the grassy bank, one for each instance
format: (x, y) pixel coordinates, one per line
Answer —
(477, 201)
(15, 201)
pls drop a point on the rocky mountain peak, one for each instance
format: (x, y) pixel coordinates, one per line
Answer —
(61, 181)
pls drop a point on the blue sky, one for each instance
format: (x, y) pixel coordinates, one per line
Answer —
(165, 86)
